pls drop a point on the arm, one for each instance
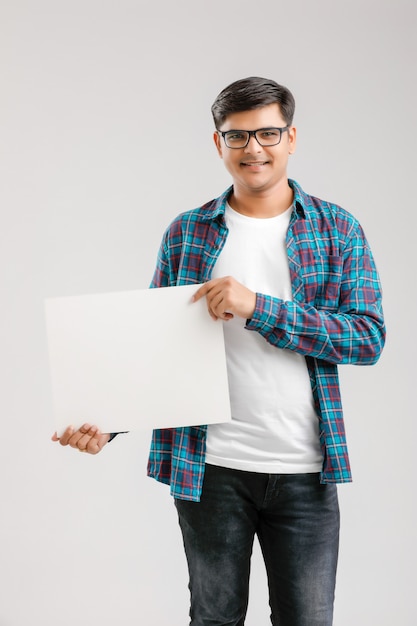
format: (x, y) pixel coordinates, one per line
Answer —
(89, 438)
(355, 337)
(346, 328)
(353, 332)
(164, 275)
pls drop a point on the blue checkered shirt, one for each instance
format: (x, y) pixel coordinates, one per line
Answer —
(335, 317)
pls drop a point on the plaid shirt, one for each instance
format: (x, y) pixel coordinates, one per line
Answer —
(335, 317)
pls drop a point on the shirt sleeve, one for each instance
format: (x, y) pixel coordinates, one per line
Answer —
(161, 273)
(352, 333)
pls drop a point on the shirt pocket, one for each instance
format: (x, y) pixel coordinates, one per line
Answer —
(322, 281)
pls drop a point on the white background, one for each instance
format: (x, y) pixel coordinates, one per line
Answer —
(105, 137)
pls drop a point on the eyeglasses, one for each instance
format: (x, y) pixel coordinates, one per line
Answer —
(264, 136)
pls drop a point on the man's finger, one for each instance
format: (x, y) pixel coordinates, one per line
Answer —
(201, 292)
(66, 436)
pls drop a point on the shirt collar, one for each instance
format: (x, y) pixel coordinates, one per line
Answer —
(300, 201)
(216, 208)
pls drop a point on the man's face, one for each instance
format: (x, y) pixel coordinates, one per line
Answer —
(257, 169)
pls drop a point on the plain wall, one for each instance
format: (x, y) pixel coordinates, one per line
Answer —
(105, 137)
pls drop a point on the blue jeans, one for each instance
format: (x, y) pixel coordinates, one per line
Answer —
(296, 520)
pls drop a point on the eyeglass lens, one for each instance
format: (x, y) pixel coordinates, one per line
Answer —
(264, 136)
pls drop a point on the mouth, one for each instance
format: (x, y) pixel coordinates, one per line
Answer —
(254, 163)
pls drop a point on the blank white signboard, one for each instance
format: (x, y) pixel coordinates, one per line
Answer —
(149, 358)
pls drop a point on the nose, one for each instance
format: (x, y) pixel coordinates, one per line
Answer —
(253, 146)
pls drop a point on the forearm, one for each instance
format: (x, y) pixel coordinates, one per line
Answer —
(343, 337)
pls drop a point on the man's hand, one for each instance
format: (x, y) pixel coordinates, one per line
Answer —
(85, 439)
(227, 298)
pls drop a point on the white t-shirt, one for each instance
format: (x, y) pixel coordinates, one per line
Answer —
(274, 427)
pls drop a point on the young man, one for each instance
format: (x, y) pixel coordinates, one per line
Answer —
(294, 280)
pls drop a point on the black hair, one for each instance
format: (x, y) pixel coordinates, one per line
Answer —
(252, 93)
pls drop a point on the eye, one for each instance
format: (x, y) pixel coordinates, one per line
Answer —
(236, 135)
(269, 134)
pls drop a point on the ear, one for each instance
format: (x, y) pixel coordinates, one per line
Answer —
(292, 139)
(218, 142)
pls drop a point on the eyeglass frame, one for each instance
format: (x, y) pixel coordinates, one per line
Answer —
(252, 133)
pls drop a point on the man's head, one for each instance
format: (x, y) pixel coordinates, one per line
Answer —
(254, 134)
(252, 93)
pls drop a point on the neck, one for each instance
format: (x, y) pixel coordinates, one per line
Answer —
(262, 204)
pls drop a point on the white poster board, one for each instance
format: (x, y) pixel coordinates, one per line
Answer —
(149, 358)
